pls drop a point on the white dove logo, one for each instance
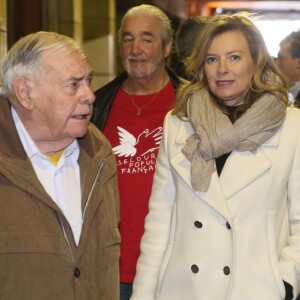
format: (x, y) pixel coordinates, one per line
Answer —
(130, 146)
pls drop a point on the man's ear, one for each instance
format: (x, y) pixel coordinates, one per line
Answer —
(168, 49)
(22, 90)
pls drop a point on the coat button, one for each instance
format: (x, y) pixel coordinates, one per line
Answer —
(76, 272)
(228, 225)
(226, 270)
(198, 224)
(194, 268)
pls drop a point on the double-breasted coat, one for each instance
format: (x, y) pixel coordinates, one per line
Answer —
(238, 240)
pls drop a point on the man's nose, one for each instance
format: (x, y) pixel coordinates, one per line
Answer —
(136, 47)
(87, 95)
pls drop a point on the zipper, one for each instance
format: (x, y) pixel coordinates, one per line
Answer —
(84, 210)
(92, 189)
(65, 236)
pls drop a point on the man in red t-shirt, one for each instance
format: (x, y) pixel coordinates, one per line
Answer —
(130, 110)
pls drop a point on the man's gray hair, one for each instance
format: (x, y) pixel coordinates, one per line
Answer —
(150, 10)
(24, 56)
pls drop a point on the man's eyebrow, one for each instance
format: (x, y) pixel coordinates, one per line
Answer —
(143, 33)
(90, 74)
(126, 33)
(147, 33)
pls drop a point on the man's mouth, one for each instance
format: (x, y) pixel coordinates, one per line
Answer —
(81, 117)
(137, 60)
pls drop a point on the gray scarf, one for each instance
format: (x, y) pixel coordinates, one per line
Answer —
(216, 135)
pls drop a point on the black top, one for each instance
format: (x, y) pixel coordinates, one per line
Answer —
(220, 161)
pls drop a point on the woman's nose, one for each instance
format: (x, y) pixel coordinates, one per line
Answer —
(222, 66)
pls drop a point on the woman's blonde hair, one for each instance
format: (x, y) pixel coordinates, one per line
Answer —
(265, 79)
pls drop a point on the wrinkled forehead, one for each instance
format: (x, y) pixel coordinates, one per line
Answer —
(60, 52)
(66, 62)
(142, 23)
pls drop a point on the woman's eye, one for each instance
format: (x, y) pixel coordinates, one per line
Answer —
(211, 59)
(235, 57)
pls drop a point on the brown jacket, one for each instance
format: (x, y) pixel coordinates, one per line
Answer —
(38, 256)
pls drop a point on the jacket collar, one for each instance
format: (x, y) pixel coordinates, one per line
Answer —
(16, 166)
(12, 147)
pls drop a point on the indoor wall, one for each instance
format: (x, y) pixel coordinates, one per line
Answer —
(3, 31)
(94, 23)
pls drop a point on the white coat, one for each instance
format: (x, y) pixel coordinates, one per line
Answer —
(240, 239)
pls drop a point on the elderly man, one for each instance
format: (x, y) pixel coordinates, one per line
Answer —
(289, 63)
(130, 110)
(59, 206)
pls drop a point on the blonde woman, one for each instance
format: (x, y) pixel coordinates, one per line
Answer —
(224, 219)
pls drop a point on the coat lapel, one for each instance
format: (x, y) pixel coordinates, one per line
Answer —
(240, 169)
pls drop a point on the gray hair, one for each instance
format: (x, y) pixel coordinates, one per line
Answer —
(150, 10)
(24, 56)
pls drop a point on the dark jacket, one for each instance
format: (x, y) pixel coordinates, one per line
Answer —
(297, 100)
(38, 255)
(106, 95)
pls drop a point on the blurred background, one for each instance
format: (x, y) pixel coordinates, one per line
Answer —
(94, 23)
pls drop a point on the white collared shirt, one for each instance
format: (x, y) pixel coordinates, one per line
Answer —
(61, 182)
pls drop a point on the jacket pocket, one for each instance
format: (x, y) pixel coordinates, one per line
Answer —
(108, 237)
(33, 266)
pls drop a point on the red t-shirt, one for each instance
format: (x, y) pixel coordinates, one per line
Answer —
(135, 141)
